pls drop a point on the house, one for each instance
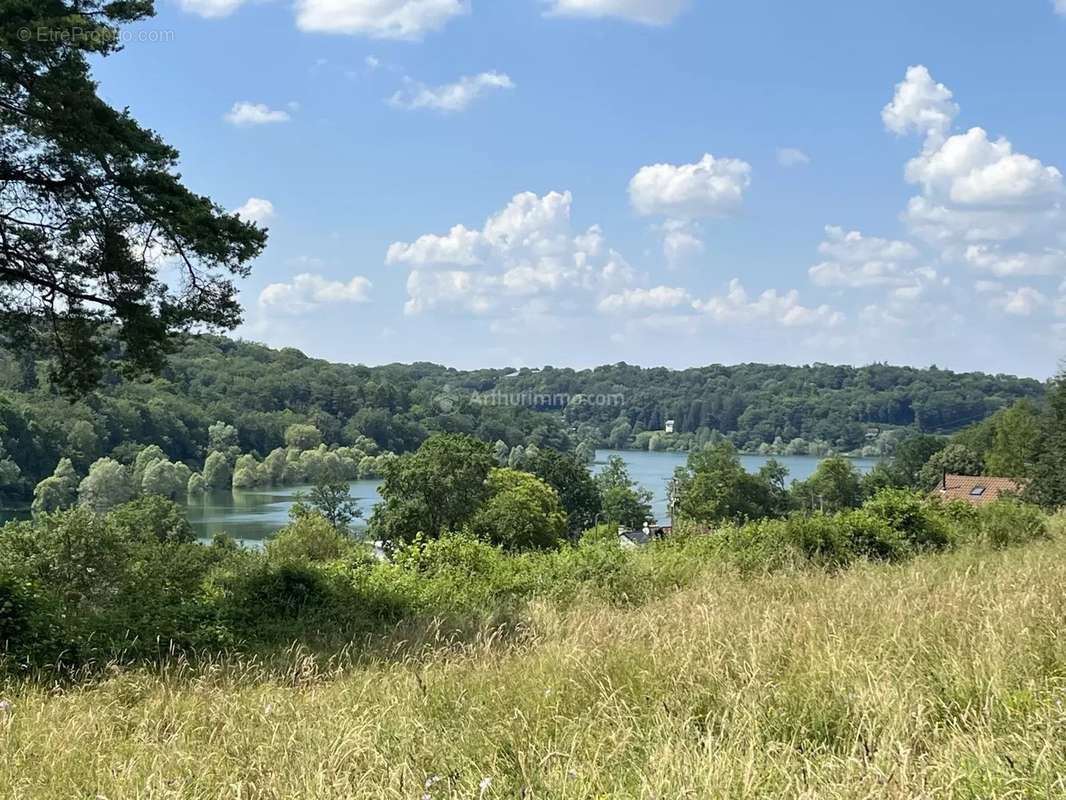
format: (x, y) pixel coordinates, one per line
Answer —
(630, 540)
(670, 425)
(976, 490)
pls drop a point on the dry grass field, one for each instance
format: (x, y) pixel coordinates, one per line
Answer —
(941, 678)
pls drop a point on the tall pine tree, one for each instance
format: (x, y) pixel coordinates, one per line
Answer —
(92, 208)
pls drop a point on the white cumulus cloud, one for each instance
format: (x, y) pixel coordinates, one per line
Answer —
(855, 261)
(773, 307)
(1004, 263)
(647, 12)
(450, 97)
(1059, 6)
(981, 204)
(710, 187)
(970, 170)
(920, 104)
(256, 209)
(245, 113)
(307, 292)
(380, 19)
(524, 253)
(658, 298)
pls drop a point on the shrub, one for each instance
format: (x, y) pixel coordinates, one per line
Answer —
(459, 572)
(27, 620)
(151, 518)
(602, 567)
(871, 537)
(311, 538)
(912, 517)
(1010, 522)
(257, 596)
(819, 539)
(760, 546)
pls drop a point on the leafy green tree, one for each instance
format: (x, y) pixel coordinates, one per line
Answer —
(91, 206)
(1048, 484)
(246, 472)
(310, 538)
(517, 458)
(624, 501)
(145, 458)
(331, 499)
(585, 452)
(522, 512)
(153, 518)
(222, 438)
(1017, 441)
(911, 455)
(196, 487)
(501, 451)
(619, 435)
(83, 442)
(955, 459)
(165, 479)
(303, 437)
(436, 489)
(835, 486)
(57, 492)
(715, 487)
(10, 472)
(107, 485)
(578, 491)
(882, 476)
(218, 472)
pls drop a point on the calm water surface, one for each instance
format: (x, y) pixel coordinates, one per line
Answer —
(253, 516)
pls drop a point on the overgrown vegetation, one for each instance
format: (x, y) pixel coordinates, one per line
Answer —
(80, 587)
(942, 677)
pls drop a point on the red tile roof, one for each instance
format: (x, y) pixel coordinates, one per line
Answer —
(976, 490)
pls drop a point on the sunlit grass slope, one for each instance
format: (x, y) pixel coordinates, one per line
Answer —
(944, 677)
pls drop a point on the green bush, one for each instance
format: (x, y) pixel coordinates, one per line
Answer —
(257, 595)
(151, 518)
(131, 585)
(312, 538)
(1005, 523)
(871, 537)
(27, 622)
(760, 546)
(913, 517)
(820, 539)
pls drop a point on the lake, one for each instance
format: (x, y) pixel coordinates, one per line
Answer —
(252, 516)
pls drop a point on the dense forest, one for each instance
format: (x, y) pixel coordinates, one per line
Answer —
(263, 392)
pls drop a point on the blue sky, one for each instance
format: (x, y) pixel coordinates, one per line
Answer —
(575, 182)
